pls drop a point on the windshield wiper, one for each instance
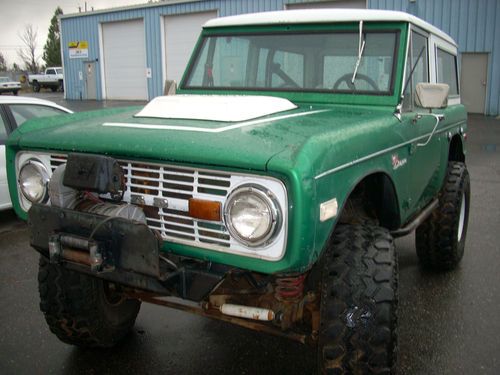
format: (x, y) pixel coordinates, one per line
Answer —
(361, 48)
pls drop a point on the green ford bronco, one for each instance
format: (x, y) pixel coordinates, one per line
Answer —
(266, 193)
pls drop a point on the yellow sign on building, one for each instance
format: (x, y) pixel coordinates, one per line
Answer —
(78, 49)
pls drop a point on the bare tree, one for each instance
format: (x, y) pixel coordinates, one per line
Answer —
(28, 53)
(3, 63)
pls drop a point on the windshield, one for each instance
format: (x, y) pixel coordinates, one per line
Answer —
(59, 71)
(295, 62)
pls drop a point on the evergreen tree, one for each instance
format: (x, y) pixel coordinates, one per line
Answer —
(52, 48)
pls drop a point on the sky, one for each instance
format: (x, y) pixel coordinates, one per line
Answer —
(16, 14)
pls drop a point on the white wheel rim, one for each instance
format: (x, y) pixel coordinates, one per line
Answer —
(461, 221)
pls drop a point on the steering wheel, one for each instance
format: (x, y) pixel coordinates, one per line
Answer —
(348, 77)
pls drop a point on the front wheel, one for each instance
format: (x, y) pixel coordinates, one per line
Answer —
(358, 331)
(81, 310)
(440, 240)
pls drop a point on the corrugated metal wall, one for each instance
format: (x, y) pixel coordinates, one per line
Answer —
(85, 27)
(474, 24)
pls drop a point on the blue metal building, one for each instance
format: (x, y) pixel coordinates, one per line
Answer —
(129, 53)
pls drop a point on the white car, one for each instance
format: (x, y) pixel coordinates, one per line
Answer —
(7, 85)
(14, 111)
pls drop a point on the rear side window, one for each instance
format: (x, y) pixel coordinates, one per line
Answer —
(446, 65)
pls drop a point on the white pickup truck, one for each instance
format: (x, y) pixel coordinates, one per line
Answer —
(52, 78)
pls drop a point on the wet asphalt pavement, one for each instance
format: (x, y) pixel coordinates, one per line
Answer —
(449, 323)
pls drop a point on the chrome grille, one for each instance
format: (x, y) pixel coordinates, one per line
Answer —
(163, 192)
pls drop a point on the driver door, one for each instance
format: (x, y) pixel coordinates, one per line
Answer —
(424, 147)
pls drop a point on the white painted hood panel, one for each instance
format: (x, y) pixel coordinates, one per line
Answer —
(227, 108)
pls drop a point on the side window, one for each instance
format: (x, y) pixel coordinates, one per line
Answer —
(50, 71)
(23, 112)
(417, 62)
(446, 70)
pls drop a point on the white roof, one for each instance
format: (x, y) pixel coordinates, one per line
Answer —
(324, 16)
(29, 100)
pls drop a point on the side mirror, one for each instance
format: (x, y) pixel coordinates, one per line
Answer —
(170, 87)
(432, 95)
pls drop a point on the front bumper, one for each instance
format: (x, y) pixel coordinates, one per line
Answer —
(118, 250)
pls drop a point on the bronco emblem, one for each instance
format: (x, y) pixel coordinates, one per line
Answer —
(396, 162)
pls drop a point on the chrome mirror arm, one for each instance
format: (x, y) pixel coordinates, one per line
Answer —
(399, 109)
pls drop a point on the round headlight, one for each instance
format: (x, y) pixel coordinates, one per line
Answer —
(252, 215)
(33, 178)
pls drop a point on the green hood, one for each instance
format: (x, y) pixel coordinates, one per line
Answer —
(243, 145)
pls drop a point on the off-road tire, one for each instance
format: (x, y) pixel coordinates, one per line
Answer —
(358, 330)
(36, 87)
(439, 240)
(78, 309)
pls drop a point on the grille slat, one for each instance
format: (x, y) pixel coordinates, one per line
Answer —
(176, 185)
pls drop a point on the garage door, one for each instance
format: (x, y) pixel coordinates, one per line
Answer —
(124, 55)
(353, 4)
(181, 34)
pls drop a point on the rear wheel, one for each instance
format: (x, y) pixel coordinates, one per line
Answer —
(82, 310)
(440, 240)
(14, 92)
(36, 86)
(359, 303)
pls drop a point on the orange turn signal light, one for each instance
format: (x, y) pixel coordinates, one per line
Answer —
(205, 210)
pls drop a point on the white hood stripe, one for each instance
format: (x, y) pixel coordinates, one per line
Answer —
(209, 130)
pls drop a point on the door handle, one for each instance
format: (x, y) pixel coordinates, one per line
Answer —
(438, 118)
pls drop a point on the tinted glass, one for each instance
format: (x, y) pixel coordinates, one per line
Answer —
(3, 131)
(447, 70)
(417, 62)
(24, 112)
(295, 62)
